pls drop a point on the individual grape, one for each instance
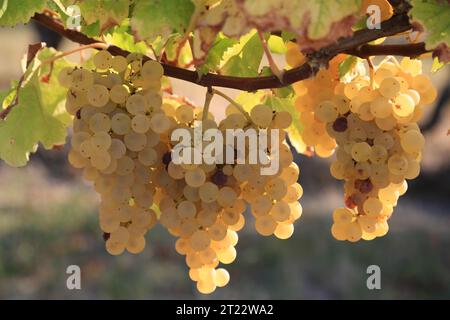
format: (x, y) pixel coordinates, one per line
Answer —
(265, 225)
(227, 256)
(403, 105)
(222, 277)
(154, 101)
(119, 93)
(206, 287)
(398, 164)
(136, 245)
(148, 156)
(282, 120)
(135, 141)
(87, 148)
(101, 140)
(261, 115)
(65, 77)
(114, 248)
(361, 151)
(100, 159)
(184, 114)
(380, 107)
(78, 138)
(82, 80)
(373, 206)
(389, 87)
(100, 122)
(326, 111)
(152, 70)
(77, 160)
(121, 123)
(195, 178)
(412, 141)
(200, 240)
(186, 209)
(226, 197)
(353, 232)
(280, 211)
(136, 104)
(262, 205)
(117, 149)
(342, 216)
(103, 60)
(119, 64)
(98, 95)
(284, 231)
(159, 123)
(125, 166)
(208, 192)
(140, 123)
(339, 231)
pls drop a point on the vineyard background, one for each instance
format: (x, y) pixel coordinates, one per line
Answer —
(48, 221)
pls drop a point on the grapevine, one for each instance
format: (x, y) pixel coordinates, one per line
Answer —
(128, 128)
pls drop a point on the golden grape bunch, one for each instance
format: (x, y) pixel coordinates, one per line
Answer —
(370, 123)
(122, 139)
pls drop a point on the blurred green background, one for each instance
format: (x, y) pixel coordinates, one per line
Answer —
(48, 221)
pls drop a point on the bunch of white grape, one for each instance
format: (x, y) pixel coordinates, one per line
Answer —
(379, 144)
(116, 140)
(204, 204)
(273, 198)
(123, 142)
(310, 94)
(371, 125)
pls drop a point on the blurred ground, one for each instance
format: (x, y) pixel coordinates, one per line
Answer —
(48, 220)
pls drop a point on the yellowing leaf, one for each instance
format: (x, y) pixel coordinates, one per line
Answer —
(315, 23)
(109, 13)
(312, 20)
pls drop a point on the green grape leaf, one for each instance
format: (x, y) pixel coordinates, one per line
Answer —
(216, 53)
(244, 58)
(347, 65)
(91, 30)
(276, 45)
(121, 37)
(39, 115)
(434, 16)
(3, 8)
(53, 95)
(153, 18)
(28, 123)
(295, 130)
(108, 13)
(20, 11)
